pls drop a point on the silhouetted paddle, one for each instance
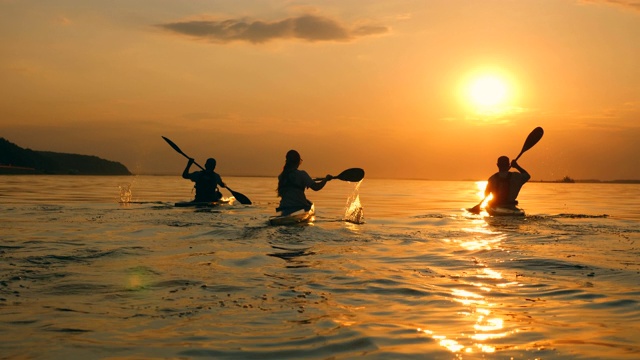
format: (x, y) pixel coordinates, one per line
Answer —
(353, 175)
(531, 140)
(240, 197)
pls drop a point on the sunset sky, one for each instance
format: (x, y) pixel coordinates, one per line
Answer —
(424, 89)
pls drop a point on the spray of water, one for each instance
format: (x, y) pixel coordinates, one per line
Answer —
(353, 212)
(125, 193)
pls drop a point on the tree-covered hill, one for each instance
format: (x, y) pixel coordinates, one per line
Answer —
(16, 160)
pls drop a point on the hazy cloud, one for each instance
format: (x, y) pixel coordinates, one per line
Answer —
(63, 20)
(198, 116)
(306, 27)
(629, 4)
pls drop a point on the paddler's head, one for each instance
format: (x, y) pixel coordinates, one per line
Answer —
(293, 159)
(503, 163)
(210, 165)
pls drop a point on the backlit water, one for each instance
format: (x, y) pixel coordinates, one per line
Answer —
(85, 276)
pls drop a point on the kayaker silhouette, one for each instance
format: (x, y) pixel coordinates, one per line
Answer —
(292, 183)
(505, 185)
(206, 181)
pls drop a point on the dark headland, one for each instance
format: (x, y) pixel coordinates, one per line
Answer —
(17, 160)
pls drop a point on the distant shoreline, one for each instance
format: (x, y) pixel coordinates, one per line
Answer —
(23, 170)
(589, 181)
(18, 170)
(15, 160)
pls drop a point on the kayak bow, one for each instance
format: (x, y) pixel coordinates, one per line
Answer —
(296, 217)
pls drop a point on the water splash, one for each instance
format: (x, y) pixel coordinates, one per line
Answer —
(354, 212)
(125, 193)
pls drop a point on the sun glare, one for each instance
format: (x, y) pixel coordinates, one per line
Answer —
(488, 93)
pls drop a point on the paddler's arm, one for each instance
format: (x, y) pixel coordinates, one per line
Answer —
(185, 173)
(487, 188)
(317, 185)
(221, 183)
(525, 174)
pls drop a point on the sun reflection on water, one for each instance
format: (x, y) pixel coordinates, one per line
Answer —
(485, 243)
(486, 327)
(490, 274)
(481, 186)
(450, 344)
(474, 295)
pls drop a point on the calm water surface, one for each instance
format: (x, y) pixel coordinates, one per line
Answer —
(85, 276)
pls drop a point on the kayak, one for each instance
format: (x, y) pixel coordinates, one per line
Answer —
(504, 211)
(296, 217)
(223, 201)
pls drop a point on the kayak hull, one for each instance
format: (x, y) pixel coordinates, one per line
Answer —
(205, 204)
(505, 211)
(297, 217)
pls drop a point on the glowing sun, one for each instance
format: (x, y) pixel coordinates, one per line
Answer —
(488, 93)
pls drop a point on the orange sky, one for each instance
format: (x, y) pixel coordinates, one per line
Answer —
(381, 85)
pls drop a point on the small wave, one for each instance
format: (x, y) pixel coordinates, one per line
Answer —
(291, 254)
(619, 305)
(579, 216)
(22, 322)
(90, 254)
(10, 247)
(67, 330)
(145, 202)
(75, 289)
(549, 265)
(143, 270)
(431, 216)
(175, 283)
(319, 347)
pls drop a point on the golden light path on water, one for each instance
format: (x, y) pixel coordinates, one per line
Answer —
(481, 185)
(487, 326)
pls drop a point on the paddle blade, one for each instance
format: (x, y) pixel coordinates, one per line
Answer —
(176, 148)
(240, 197)
(353, 174)
(532, 139)
(173, 145)
(474, 210)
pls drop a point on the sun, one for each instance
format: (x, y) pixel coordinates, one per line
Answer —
(488, 93)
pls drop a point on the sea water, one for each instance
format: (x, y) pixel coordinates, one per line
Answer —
(106, 267)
